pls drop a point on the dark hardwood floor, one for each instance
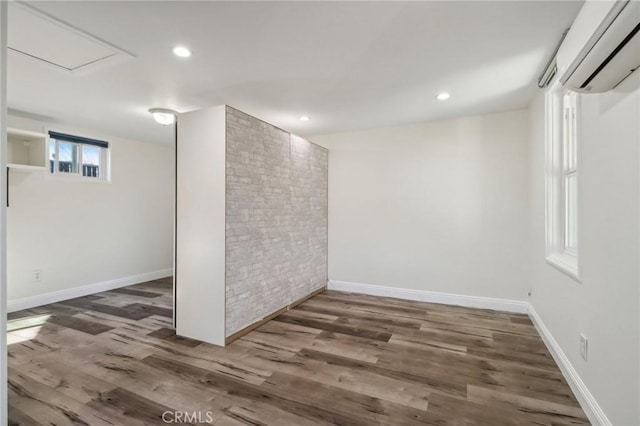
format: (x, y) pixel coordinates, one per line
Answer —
(339, 358)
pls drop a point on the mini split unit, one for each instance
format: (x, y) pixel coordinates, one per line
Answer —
(602, 47)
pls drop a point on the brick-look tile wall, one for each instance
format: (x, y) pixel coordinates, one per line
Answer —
(276, 219)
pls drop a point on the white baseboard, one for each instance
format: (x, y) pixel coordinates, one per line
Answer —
(71, 293)
(587, 401)
(507, 305)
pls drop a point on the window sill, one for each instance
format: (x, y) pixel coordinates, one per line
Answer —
(76, 178)
(566, 264)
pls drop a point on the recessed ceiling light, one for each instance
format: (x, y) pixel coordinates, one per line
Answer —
(305, 118)
(181, 51)
(443, 96)
(163, 116)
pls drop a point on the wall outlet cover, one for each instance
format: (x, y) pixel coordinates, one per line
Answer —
(584, 346)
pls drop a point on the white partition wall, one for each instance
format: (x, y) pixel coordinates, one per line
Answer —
(251, 228)
(200, 233)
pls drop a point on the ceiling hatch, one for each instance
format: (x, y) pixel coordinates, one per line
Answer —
(49, 41)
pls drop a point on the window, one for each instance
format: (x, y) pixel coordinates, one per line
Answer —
(562, 107)
(77, 156)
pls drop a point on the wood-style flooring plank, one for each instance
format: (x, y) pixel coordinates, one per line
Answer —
(132, 375)
(360, 380)
(260, 413)
(336, 328)
(151, 310)
(204, 356)
(169, 335)
(348, 346)
(117, 311)
(48, 406)
(329, 308)
(67, 380)
(79, 324)
(366, 409)
(130, 406)
(134, 292)
(431, 382)
(244, 390)
(554, 412)
(19, 418)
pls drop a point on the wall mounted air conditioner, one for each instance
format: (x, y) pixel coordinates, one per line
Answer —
(602, 47)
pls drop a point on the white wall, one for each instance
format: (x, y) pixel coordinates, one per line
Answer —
(3, 256)
(438, 206)
(81, 233)
(200, 226)
(605, 306)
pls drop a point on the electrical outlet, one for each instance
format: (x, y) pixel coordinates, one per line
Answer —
(584, 346)
(37, 275)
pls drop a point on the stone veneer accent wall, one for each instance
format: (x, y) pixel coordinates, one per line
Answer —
(276, 219)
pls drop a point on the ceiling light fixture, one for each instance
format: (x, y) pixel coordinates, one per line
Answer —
(163, 116)
(443, 96)
(181, 51)
(305, 118)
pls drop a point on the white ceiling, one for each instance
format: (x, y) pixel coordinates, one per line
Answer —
(348, 65)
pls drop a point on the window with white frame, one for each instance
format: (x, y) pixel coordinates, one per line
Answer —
(71, 155)
(561, 153)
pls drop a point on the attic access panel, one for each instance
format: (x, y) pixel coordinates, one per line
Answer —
(49, 41)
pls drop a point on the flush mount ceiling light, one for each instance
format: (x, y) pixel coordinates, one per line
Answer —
(163, 116)
(443, 96)
(305, 118)
(181, 51)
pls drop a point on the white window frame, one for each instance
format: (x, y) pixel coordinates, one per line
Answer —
(559, 164)
(105, 164)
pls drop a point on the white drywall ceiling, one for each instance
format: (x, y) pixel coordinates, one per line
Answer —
(347, 65)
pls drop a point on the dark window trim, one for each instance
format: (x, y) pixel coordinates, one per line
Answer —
(78, 139)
